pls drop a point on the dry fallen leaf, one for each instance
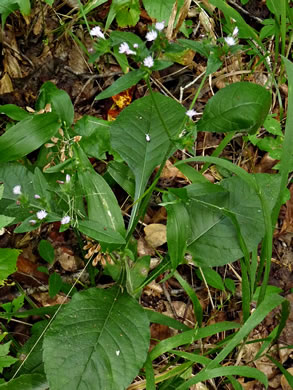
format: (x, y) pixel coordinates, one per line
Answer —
(67, 260)
(156, 234)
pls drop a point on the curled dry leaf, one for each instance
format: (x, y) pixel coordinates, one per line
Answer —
(156, 234)
(44, 299)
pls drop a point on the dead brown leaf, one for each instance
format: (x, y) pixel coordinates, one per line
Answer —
(45, 300)
(67, 259)
(155, 234)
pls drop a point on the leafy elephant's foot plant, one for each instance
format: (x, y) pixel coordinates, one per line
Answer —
(101, 338)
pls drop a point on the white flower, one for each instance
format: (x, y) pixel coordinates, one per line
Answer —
(160, 25)
(97, 32)
(117, 353)
(147, 138)
(191, 113)
(36, 196)
(135, 45)
(151, 35)
(230, 41)
(17, 190)
(148, 62)
(32, 221)
(124, 48)
(65, 220)
(235, 31)
(67, 178)
(42, 214)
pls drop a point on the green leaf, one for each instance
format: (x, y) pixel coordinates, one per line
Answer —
(122, 174)
(160, 10)
(129, 14)
(273, 126)
(46, 251)
(107, 237)
(230, 285)
(27, 136)
(14, 112)
(136, 274)
(159, 318)
(240, 106)
(5, 221)
(214, 240)
(245, 31)
(5, 360)
(124, 82)
(128, 136)
(249, 372)
(8, 259)
(26, 382)
(24, 6)
(212, 278)
(59, 100)
(101, 201)
(98, 341)
(55, 284)
(190, 336)
(95, 136)
(177, 232)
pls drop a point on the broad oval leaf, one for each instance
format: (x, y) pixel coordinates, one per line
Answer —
(98, 341)
(213, 240)
(241, 106)
(140, 138)
(124, 82)
(8, 259)
(27, 136)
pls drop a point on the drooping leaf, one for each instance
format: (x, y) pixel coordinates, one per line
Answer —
(101, 201)
(99, 340)
(140, 138)
(8, 258)
(124, 82)
(27, 136)
(14, 112)
(122, 174)
(59, 100)
(95, 136)
(240, 106)
(107, 237)
(46, 251)
(27, 382)
(213, 240)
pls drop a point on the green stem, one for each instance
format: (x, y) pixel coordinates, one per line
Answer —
(219, 149)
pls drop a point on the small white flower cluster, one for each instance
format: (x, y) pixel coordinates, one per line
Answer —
(97, 32)
(17, 190)
(191, 113)
(231, 39)
(152, 35)
(124, 48)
